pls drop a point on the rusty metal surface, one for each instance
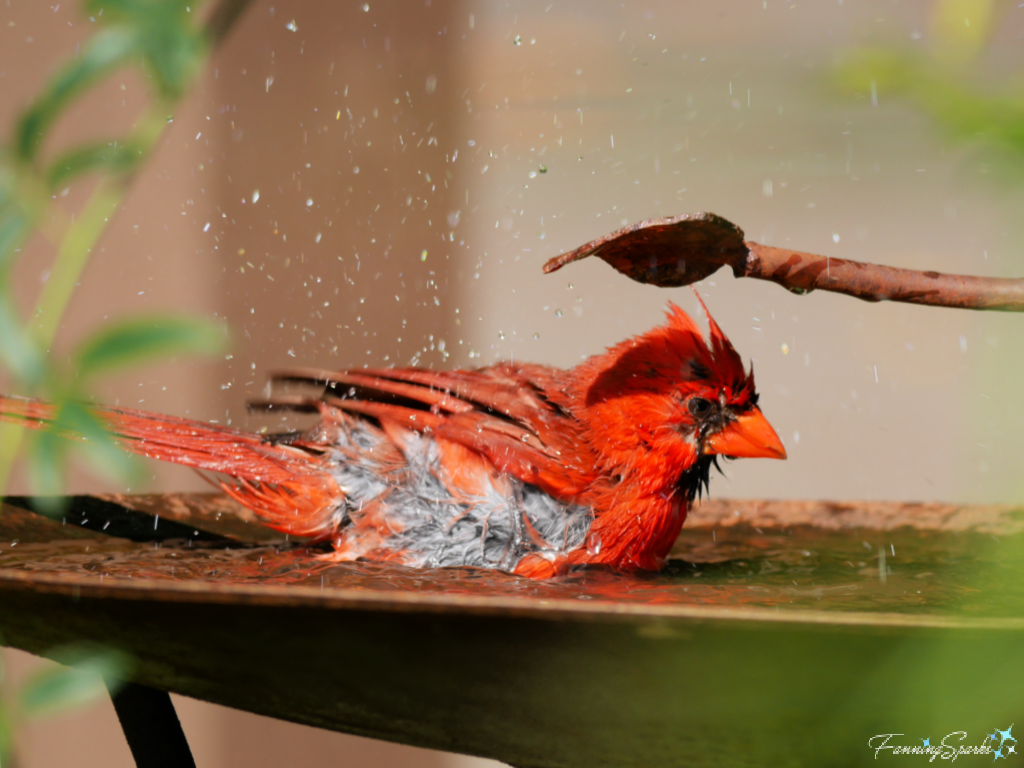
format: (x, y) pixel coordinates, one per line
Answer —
(150, 517)
(215, 516)
(807, 272)
(532, 685)
(673, 251)
(255, 565)
(992, 519)
(603, 669)
(213, 513)
(681, 250)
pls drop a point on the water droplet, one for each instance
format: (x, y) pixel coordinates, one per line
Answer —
(785, 348)
(835, 238)
(594, 544)
(291, 26)
(366, 7)
(558, 313)
(309, 202)
(501, 334)
(543, 169)
(518, 40)
(255, 195)
(355, 169)
(568, 287)
(423, 255)
(532, 174)
(536, 336)
(318, 236)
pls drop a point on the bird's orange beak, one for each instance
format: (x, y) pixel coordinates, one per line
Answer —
(748, 436)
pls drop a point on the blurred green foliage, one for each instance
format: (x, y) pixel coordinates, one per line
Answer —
(951, 83)
(958, 104)
(165, 39)
(83, 675)
(948, 79)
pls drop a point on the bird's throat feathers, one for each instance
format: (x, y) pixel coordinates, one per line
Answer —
(633, 398)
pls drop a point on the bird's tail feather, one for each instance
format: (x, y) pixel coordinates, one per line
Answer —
(289, 485)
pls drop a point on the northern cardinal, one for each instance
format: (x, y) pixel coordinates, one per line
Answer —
(525, 468)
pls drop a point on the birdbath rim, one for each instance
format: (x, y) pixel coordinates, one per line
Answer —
(292, 596)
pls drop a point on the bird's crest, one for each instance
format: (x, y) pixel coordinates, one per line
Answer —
(661, 359)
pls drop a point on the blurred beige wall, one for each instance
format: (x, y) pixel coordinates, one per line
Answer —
(661, 108)
(335, 126)
(449, 111)
(331, 236)
(152, 258)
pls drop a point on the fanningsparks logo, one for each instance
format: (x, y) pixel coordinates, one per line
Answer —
(1000, 744)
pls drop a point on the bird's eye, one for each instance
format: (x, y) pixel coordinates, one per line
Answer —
(699, 407)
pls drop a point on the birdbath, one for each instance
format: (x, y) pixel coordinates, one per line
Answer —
(782, 632)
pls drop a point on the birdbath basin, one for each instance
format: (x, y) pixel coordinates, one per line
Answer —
(782, 633)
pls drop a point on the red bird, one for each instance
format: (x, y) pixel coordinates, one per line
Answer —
(525, 468)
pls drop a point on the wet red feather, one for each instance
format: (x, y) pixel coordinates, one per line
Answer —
(617, 434)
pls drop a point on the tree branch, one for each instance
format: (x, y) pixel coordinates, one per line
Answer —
(681, 250)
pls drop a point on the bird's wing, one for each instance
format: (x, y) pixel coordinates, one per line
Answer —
(500, 412)
(288, 483)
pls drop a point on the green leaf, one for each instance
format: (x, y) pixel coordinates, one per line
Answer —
(105, 52)
(17, 350)
(14, 222)
(47, 457)
(14, 227)
(112, 157)
(88, 676)
(169, 39)
(102, 452)
(50, 449)
(139, 340)
(953, 99)
(955, 39)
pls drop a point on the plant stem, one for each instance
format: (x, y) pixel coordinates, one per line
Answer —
(681, 250)
(72, 256)
(71, 259)
(82, 235)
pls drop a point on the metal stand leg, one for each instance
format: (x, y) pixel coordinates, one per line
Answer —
(152, 728)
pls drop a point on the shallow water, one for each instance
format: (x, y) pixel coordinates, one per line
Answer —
(905, 571)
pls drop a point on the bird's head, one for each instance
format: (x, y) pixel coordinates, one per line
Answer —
(661, 407)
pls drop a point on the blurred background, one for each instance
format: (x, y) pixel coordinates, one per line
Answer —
(379, 184)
